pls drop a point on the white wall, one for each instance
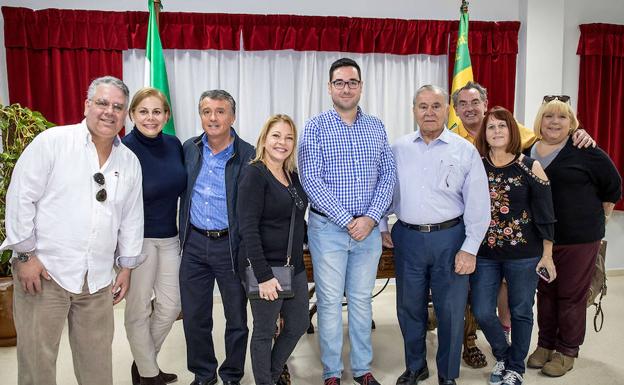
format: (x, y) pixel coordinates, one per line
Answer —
(547, 61)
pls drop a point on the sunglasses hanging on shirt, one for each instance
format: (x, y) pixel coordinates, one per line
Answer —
(100, 196)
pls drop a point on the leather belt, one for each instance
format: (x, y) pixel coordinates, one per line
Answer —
(434, 226)
(315, 211)
(212, 234)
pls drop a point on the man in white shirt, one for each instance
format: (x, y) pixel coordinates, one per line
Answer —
(74, 209)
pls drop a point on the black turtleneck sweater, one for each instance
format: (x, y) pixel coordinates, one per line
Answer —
(164, 180)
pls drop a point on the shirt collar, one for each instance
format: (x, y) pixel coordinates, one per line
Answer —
(461, 131)
(84, 132)
(337, 115)
(444, 136)
(226, 151)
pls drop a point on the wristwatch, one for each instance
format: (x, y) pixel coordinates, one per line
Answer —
(25, 257)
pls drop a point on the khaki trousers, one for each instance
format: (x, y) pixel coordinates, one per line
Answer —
(39, 322)
(156, 278)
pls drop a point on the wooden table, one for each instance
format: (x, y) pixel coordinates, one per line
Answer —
(385, 270)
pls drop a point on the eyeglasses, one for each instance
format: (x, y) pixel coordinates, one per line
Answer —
(103, 104)
(561, 98)
(295, 196)
(340, 84)
(101, 195)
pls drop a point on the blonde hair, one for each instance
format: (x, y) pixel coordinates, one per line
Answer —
(145, 93)
(290, 163)
(554, 106)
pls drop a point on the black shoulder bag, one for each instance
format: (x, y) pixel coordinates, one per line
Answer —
(283, 274)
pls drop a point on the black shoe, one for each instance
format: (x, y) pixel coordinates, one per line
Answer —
(233, 382)
(443, 381)
(168, 377)
(366, 379)
(134, 372)
(409, 377)
(156, 380)
(212, 381)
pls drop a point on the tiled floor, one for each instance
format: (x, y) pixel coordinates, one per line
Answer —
(601, 361)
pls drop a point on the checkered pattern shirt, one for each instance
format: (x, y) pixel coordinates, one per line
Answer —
(347, 170)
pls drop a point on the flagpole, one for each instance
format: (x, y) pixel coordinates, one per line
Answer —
(462, 68)
(157, 5)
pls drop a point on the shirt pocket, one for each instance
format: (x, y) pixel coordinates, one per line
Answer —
(449, 176)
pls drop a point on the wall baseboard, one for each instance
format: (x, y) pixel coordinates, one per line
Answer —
(615, 272)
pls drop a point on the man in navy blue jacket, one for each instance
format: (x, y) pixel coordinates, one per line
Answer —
(209, 241)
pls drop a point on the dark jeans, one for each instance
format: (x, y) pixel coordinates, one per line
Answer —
(267, 362)
(426, 261)
(522, 281)
(205, 260)
(562, 304)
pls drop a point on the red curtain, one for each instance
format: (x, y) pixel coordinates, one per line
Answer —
(493, 50)
(53, 54)
(601, 88)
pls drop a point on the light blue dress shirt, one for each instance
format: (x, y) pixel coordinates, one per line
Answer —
(208, 202)
(440, 181)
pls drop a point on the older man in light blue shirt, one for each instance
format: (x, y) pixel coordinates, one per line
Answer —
(443, 208)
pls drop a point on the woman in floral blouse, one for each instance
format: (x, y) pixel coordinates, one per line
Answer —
(516, 245)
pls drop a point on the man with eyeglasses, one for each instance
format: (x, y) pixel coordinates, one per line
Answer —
(347, 170)
(74, 211)
(442, 205)
(471, 103)
(209, 241)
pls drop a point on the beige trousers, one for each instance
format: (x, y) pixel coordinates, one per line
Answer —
(39, 322)
(156, 278)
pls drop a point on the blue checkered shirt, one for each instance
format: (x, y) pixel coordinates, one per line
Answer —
(347, 171)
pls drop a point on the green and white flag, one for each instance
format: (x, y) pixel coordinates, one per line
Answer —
(155, 70)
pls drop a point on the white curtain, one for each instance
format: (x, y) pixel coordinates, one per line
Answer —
(291, 82)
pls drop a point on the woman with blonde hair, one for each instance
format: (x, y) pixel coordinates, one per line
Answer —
(153, 301)
(269, 192)
(585, 186)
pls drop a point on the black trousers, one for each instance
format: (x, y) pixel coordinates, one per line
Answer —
(268, 358)
(205, 261)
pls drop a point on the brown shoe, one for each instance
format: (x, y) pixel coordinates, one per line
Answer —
(558, 365)
(539, 358)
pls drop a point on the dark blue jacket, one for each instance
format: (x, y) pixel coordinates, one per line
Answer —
(193, 160)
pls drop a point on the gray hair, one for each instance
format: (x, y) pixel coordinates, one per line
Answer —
(470, 86)
(432, 88)
(217, 95)
(110, 80)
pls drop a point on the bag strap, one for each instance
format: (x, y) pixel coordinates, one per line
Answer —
(291, 231)
(599, 316)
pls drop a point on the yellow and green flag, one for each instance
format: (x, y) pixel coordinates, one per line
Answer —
(155, 70)
(462, 72)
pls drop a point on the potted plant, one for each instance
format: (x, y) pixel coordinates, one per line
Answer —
(19, 127)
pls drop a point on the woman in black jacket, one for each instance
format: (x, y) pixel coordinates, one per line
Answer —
(268, 189)
(585, 186)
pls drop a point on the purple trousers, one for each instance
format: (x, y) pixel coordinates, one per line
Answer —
(562, 304)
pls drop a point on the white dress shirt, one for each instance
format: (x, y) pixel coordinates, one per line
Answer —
(439, 181)
(51, 208)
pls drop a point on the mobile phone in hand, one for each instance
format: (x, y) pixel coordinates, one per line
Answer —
(543, 274)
